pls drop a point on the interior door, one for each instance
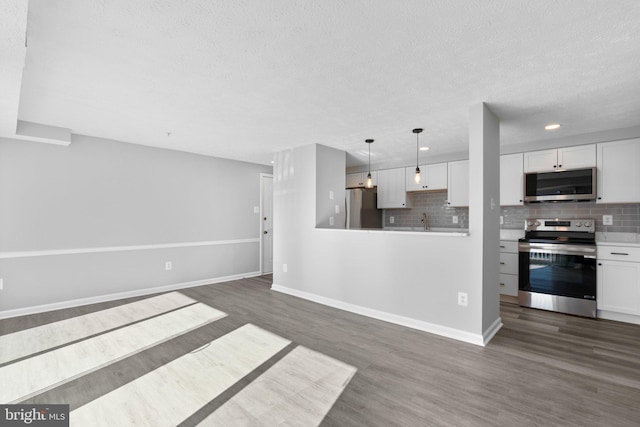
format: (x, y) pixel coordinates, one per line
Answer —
(266, 227)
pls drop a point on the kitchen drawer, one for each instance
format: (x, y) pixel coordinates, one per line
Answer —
(619, 253)
(508, 246)
(508, 263)
(509, 284)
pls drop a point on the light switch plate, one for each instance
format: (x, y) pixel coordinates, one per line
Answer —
(256, 209)
(607, 219)
(455, 219)
(391, 220)
(332, 221)
(330, 195)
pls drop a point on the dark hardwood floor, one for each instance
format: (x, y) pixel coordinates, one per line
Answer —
(541, 368)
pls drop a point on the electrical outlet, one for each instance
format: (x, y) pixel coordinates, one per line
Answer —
(455, 219)
(607, 219)
(331, 220)
(463, 299)
(337, 209)
(501, 220)
(256, 209)
(1, 284)
(168, 265)
(284, 268)
(330, 195)
(391, 220)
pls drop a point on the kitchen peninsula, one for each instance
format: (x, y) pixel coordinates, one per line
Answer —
(440, 282)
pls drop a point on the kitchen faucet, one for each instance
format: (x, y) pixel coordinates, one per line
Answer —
(425, 221)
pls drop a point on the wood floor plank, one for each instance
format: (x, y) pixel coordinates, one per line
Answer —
(541, 368)
(44, 337)
(34, 375)
(171, 393)
(298, 390)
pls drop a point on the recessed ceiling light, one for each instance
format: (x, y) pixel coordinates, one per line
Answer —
(552, 126)
(424, 148)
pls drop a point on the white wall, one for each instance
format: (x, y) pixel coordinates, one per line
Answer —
(70, 215)
(409, 278)
(484, 208)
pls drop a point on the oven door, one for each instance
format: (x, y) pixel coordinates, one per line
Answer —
(558, 269)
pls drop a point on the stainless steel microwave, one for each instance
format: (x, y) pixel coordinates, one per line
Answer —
(562, 185)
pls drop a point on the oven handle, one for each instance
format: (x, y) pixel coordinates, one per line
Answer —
(551, 248)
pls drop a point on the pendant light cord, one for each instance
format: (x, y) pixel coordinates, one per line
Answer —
(417, 149)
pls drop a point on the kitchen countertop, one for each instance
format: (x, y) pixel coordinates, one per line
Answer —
(411, 230)
(617, 239)
(512, 235)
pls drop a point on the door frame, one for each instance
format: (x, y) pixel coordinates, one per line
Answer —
(260, 222)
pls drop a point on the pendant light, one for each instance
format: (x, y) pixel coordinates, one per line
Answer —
(417, 177)
(369, 180)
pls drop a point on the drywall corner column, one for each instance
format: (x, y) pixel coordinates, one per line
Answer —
(484, 209)
(330, 183)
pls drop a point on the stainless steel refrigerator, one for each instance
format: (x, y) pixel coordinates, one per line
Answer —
(362, 208)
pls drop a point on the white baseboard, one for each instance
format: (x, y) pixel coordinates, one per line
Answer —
(432, 328)
(491, 331)
(618, 317)
(120, 295)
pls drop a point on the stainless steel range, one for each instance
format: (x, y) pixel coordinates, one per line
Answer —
(557, 266)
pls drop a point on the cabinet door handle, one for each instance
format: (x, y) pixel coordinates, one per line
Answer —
(559, 166)
(600, 263)
(501, 263)
(502, 246)
(618, 253)
(599, 198)
(501, 284)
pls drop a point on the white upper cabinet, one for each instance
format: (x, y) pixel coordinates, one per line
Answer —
(359, 179)
(511, 179)
(432, 177)
(581, 156)
(619, 171)
(458, 183)
(392, 192)
(543, 160)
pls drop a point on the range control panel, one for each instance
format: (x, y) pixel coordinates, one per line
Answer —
(587, 225)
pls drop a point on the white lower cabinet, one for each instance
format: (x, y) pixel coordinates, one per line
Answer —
(509, 268)
(619, 279)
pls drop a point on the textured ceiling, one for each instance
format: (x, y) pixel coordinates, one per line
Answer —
(242, 79)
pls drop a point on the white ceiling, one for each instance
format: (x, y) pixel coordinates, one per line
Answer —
(242, 79)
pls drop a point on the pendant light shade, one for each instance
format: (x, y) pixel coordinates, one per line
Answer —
(369, 183)
(417, 177)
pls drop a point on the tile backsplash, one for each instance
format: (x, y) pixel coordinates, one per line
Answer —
(626, 217)
(434, 204)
